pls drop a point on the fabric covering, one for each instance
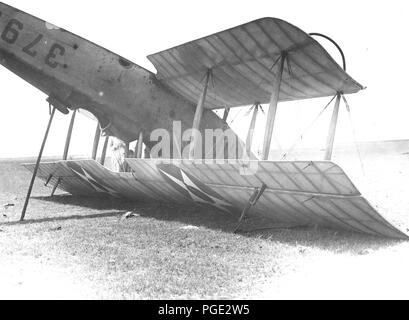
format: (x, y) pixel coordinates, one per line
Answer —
(243, 61)
(298, 193)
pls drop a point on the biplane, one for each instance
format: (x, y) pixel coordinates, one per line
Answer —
(265, 61)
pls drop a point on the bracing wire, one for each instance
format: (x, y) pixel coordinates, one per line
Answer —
(236, 116)
(278, 143)
(307, 129)
(274, 136)
(251, 109)
(354, 133)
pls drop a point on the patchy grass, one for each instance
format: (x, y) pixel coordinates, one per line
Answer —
(72, 247)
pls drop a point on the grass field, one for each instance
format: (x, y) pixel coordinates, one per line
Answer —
(72, 247)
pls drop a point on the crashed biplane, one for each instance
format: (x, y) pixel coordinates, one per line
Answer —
(265, 61)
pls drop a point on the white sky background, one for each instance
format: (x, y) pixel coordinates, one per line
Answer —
(373, 35)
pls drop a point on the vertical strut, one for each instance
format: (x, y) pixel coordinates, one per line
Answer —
(30, 188)
(126, 167)
(66, 148)
(139, 146)
(250, 134)
(272, 110)
(126, 149)
(104, 150)
(198, 116)
(332, 129)
(226, 114)
(258, 192)
(147, 153)
(96, 142)
(69, 134)
(55, 187)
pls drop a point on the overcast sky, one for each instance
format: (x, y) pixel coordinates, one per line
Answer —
(373, 35)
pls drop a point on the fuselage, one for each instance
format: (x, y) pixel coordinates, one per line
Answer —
(125, 98)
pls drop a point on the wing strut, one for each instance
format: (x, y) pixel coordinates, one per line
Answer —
(55, 187)
(250, 134)
(96, 141)
(40, 154)
(272, 110)
(198, 116)
(258, 192)
(332, 129)
(139, 146)
(226, 114)
(69, 134)
(126, 166)
(48, 180)
(104, 150)
(66, 148)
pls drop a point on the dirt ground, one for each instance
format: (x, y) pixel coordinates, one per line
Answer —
(73, 247)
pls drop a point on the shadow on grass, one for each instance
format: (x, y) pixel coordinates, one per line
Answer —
(187, 214)
(255, 227)
(98, 203)
(64, 218)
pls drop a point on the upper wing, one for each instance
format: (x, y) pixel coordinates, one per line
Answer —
(242, 60)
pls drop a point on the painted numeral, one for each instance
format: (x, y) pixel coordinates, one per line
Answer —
(55, 50)
(11, 31)
(29, 48)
